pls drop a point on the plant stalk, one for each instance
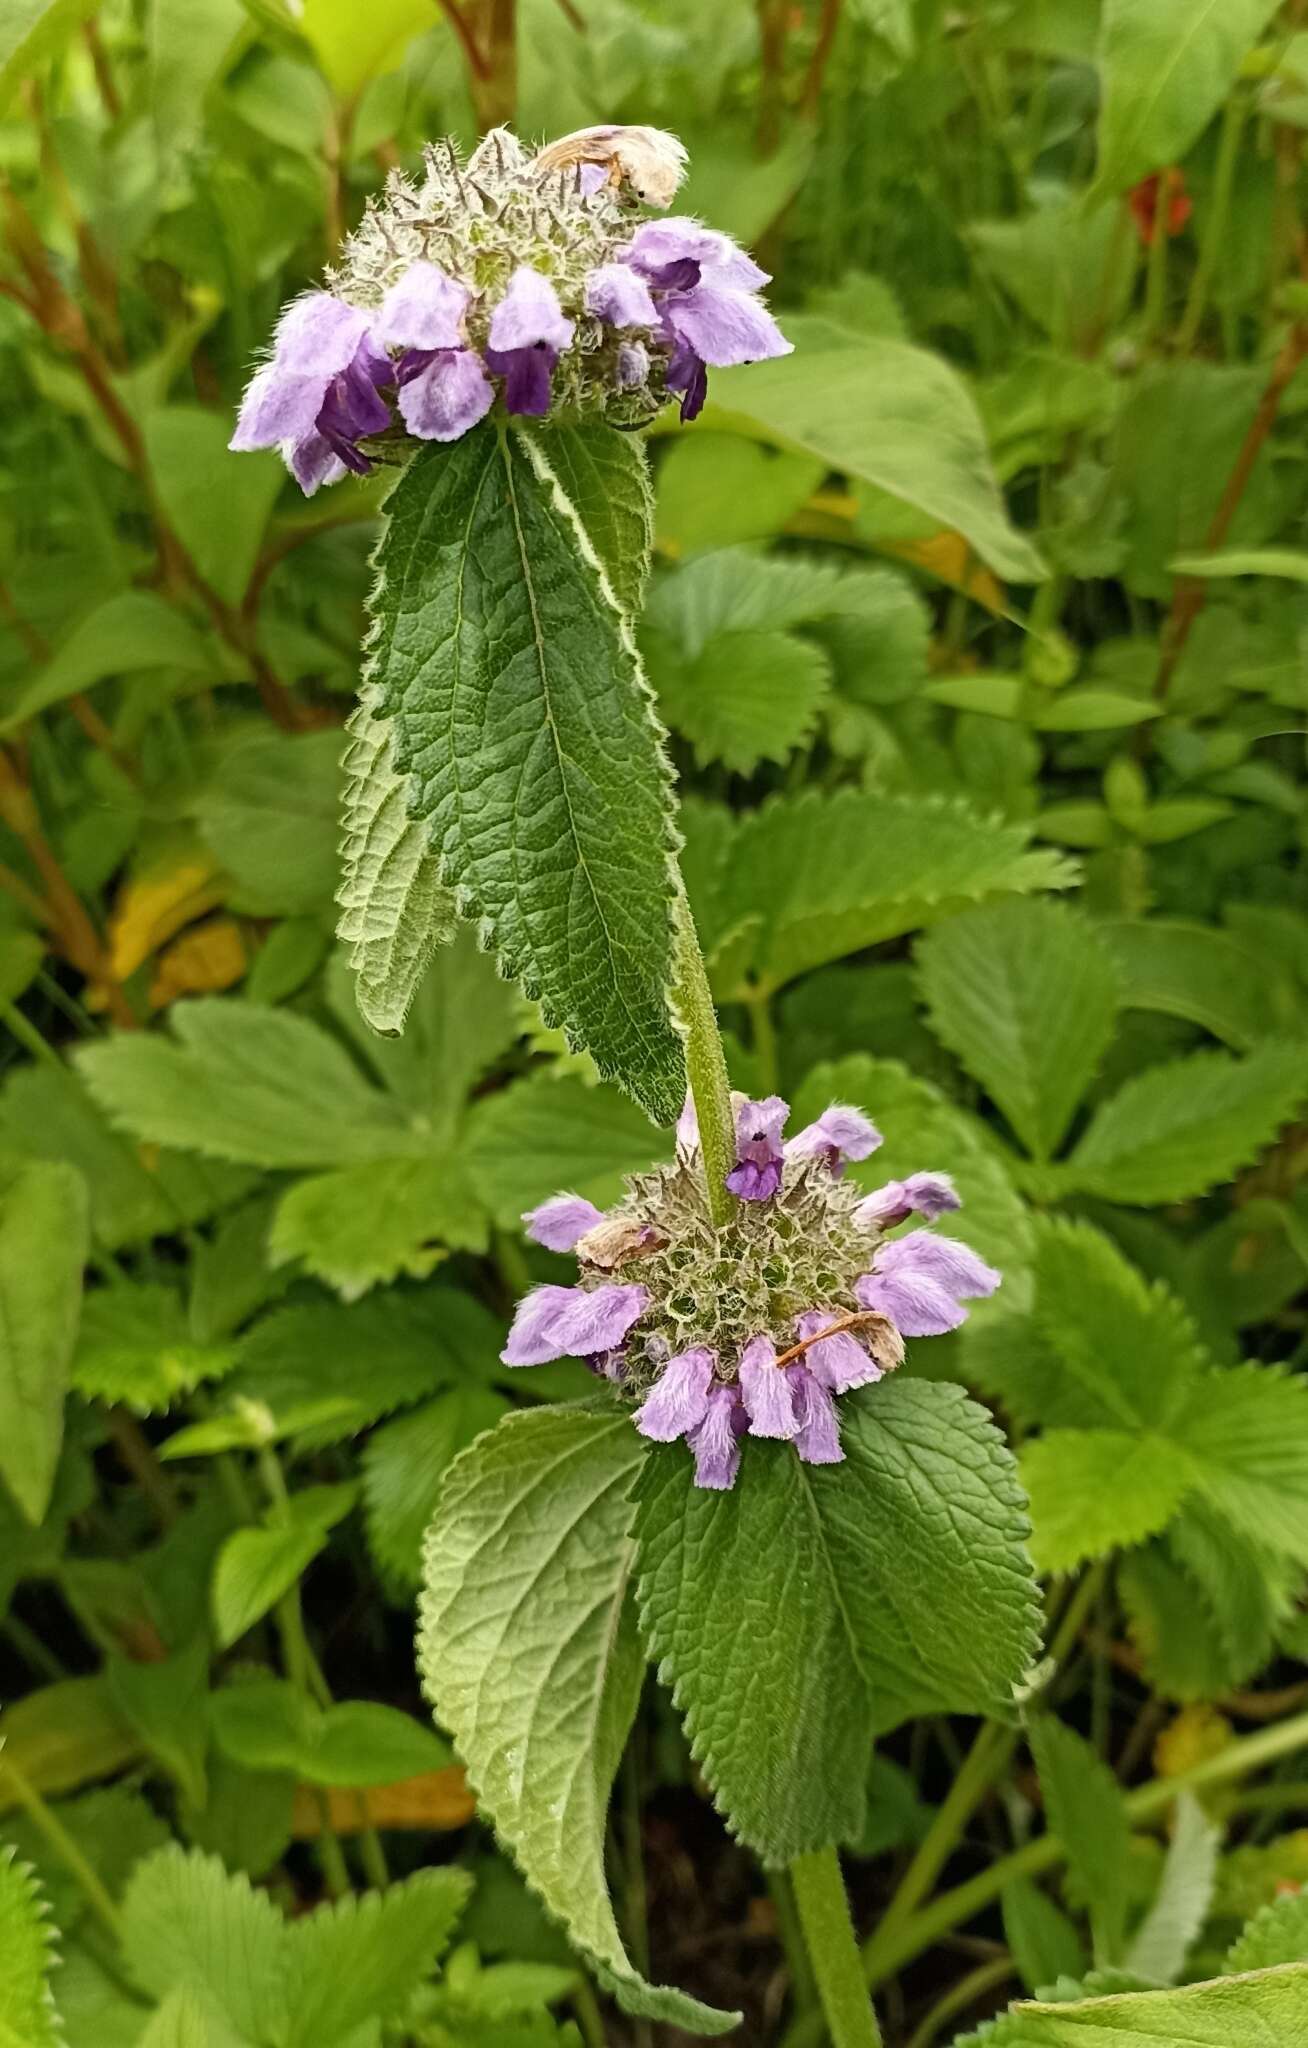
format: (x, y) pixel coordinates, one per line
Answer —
(52, 1829)
(833, 1950)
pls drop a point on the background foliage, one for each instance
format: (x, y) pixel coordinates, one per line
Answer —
(979, 628)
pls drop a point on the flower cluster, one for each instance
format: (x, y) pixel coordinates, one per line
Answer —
(531, 279)
(753, 1329)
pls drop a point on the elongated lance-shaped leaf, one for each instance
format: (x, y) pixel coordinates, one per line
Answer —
(394, 911)
(529, 1656)
(521, 716)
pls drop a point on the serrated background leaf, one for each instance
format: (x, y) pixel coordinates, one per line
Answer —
(27, 1954)
(1026, 995)
(1086, 1811)
(1178, 1129)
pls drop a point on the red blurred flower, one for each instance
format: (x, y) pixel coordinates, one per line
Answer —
(1161, 195)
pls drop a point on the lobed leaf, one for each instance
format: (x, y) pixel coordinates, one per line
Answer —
(27, 1954)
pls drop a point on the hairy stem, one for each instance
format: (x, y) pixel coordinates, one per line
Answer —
(833, 1950)
(706, 1064)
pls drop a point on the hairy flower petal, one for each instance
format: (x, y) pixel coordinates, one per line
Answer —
(572, 1322)
(558, 1223)
(725, 327)
(529, 315)
(843, 1361)
(919, 1281)
(658, 243)
(716, 1442)
(423, 309)
(618, 294)
(756, 1175)
(444, 393)
(680, 1400)
(818, 1438)
(766, 1391)
(838, 1135)
(923, 1194)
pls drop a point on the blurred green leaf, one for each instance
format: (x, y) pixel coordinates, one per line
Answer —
(44, 1243)
(1166, 66)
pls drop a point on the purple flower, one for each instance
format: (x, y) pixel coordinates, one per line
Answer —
(766, 1391)
(572, 1322)
(317, 398)
(618, 294)
(840, 1362)
(633, 365)
(442, 385)
(716, 1441)
(840, 1134)
(679, 1402)
(688, 1130)
(818, 1437)
(919, 1280)
(923, 1194)
(528, 329)
(756, 1176)
(707, 301)
(558, 1223)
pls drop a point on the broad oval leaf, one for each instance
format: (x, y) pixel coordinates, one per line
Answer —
(1166, 66)
(890, 414)
(523, 722)
(813, 1606)
(529, 1657)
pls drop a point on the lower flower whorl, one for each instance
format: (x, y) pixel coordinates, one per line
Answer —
(756, 1327)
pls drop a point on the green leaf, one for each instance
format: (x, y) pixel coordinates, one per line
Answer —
(1085, 1809)
(1277, 1934)
(310, 1984)
(44, 1242)
(1026, 996)
(268, 1724)
(1178, 1129)
(269, 814)
(241, 1082)
(180, 2022)
(716, 489)
(1170, 1928)
(46, 1113)
(1166, 67)
(1247, 1432)
(748, 697)
(217, 503)
(1065, 264)
(163, 1703)
(354, 45)
(30, 31)
(134, 630)
(134, 1347)
(368, 1224)
(27, 2009)
(1042, 1940)
(803, 880)
(548, 799)
(388, 1352)
(893, 1585)
(1107, 1349)
(1091, 710)
(605, 477)
(404, 1466)
(363, 1958)
(529, 1657)
(1204, 975)
(1096, 1490)
(887, 413)
(394, 911)
(256, 1566)
(64, 1735)
(1267, 2009)
(550, 1131)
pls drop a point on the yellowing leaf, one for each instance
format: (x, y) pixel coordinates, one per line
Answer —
(153, 906)
(210, 957)
(1198, 1733)
(948, 557)
(434, 1799)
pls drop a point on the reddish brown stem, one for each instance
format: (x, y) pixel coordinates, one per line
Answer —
(473, 54)
(772, 56)
(854, 1322)
(811, 96)
(1190, 592)
(105, 83)
(69, 919)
